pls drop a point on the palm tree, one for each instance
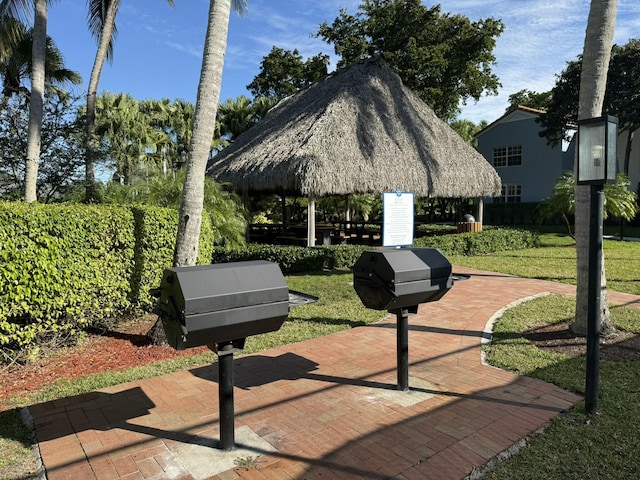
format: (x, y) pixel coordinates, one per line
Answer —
(102, 25)
(15, 65)
(235, 116)
(190, 217)
(593, 82)
(179, 126)
(17, 9)
(125, 127)
(619, 200)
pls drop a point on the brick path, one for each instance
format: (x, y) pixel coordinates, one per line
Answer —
(326, 407)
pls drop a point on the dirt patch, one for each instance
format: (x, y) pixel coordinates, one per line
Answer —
(619, 347)
(122, 347)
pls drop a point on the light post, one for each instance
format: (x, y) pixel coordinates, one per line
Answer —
(597, 164)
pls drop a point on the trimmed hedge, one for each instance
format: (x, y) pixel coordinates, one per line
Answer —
(481, 243)
(155, 241)
(63, 267)
(66, 266)
(294, 259)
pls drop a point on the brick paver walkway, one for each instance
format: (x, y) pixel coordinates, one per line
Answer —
(327, 407)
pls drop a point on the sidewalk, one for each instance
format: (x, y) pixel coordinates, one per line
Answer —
(323, 408)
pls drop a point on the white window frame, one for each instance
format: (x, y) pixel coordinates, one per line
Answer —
(511, 193)
(509, 156)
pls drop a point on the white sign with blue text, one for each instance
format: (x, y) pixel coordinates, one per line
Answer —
(397, 215)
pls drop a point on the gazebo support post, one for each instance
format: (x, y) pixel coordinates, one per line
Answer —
(311, 221)
(347, 212)
(284, 211)
(245, 205)
(480, 215)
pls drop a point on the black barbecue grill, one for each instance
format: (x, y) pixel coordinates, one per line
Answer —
(398, 280)
(401, 278)
(220, 306)
(226, 302)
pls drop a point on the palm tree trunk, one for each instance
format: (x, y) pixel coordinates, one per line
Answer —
(190, 217)
(593, 82)
(36, 103)
(92, 92)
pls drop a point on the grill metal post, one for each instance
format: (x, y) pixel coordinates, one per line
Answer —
(402, 348)
(225, 396)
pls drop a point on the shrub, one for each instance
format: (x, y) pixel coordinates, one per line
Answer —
(480, 243)
(156, 229)
(293, 259)
(65, 266)
(61, 268)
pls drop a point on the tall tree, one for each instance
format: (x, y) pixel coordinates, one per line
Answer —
(283, 73)
(593, 83)
(21, 9)
(102, 25)
(61, 156)
(127, 134)
(237, 116)
(190, 216)
(444, 58)
(15, 64)
(16, 8)
(468, 130)
(621, 97)
(531, 99)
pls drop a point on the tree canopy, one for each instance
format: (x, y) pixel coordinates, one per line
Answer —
(531, 99)
(446, 59)
(621, 98)
(283, 73)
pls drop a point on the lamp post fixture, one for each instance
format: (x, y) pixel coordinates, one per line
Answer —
(597, 162)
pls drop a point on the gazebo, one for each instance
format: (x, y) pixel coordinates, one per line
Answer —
(359, 130)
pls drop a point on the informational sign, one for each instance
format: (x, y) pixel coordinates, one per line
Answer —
(397, 215)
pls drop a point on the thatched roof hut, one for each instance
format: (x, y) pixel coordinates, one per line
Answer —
(359, 130)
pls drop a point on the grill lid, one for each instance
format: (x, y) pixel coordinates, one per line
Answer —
(393, 267)
(225, 286)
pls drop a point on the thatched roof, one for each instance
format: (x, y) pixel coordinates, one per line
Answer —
(359, 130)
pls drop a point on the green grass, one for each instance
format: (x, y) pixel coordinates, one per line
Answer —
(576, 445)
(556, 261)
(16, 460)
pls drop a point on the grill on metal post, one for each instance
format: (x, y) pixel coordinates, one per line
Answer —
(220, 306)
(397, 281)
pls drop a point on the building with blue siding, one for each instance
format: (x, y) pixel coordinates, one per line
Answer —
(527, 166)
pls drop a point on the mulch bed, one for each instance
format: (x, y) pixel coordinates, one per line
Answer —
(117, 349)
(619, 347)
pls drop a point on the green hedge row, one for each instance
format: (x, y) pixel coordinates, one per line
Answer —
(294, 259)
(64, 266)
(481, 243)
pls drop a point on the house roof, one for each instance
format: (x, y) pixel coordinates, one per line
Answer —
(515, 113)
(359, 130)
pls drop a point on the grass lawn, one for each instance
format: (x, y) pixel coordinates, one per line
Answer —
(556, 261)
(576, 445)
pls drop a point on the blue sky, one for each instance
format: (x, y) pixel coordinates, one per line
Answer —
(158, 49)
